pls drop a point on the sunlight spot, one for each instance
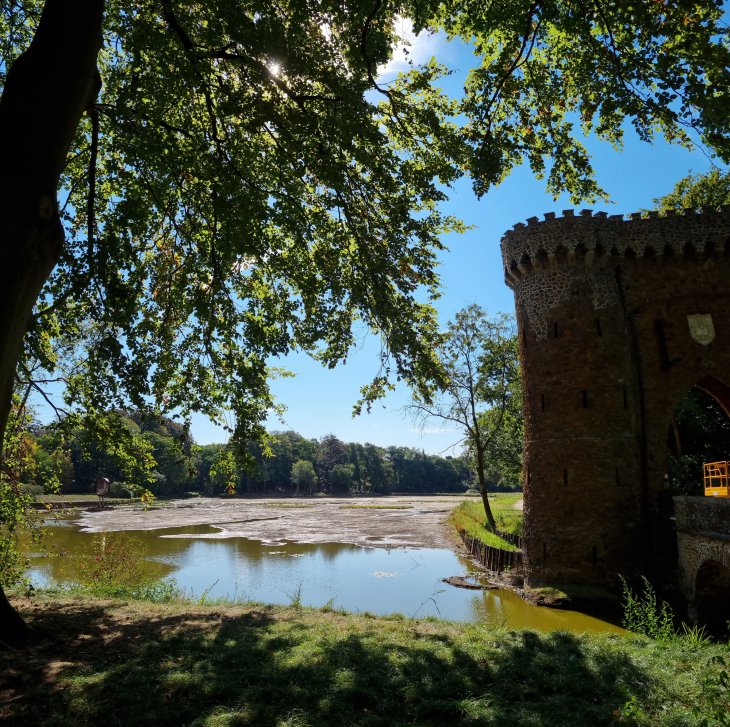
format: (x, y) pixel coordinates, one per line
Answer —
(412, 49)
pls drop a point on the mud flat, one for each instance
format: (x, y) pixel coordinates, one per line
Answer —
(392, 522)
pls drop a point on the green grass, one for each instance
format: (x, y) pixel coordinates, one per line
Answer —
(128, 663)
(504, 500)
(469, 518)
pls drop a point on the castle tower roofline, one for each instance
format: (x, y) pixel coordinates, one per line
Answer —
(596, 239)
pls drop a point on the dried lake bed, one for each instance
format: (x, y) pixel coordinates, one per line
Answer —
(374, 522)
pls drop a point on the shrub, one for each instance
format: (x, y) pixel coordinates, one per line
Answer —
(114, 560)
(122, 489)
(643, 615)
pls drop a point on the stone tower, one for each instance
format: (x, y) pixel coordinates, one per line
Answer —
(617, 319)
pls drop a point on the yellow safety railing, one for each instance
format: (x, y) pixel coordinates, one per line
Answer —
(717, 479)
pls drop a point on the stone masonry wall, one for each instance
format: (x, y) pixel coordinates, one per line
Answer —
(703, 538)
(607, 353)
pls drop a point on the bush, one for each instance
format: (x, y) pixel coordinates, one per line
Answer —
(122, 489)
(113, 560)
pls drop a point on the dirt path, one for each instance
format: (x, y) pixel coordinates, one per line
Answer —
(400, 521)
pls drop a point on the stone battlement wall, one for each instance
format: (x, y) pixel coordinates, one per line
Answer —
(543, 259)
(591, 238)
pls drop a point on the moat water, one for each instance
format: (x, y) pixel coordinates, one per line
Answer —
(402, 580)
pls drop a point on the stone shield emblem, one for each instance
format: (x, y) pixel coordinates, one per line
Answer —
(701, 328)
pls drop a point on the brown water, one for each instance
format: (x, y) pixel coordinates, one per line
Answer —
(358, 579)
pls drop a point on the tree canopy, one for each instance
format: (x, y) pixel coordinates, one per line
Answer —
(242, 184)
(696, 191)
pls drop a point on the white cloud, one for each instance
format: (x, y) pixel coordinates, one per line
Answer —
(412, 49)
(433, 430)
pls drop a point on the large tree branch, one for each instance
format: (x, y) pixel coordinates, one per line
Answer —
(47, 90)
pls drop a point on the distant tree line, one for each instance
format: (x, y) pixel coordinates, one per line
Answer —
(160, 454)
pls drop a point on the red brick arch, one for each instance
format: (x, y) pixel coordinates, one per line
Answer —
(718, 390)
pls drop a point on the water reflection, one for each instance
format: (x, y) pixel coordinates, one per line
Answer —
(407, 581)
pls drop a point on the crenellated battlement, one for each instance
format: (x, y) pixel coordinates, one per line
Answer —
(596, 239)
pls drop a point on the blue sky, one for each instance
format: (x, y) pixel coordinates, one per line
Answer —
(320, 401)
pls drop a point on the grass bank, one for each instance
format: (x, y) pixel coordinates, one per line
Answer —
(118, 662)
(469, 518)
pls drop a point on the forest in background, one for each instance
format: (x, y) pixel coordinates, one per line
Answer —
(160, 455)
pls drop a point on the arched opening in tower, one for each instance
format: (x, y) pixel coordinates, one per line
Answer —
(712, 596)
(699, 432)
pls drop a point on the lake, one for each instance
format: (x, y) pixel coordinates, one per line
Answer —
(405, 580)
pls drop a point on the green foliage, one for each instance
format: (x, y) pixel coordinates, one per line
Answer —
(545, 69)
(481, 394)
(122, 489)
(115, 566)
(113, 559)
(643, 615)
(106, 443)
(295, 598)
(258, 191)
(224, 471)
(163, 459)
(18, 474)
(340, 477)
(715, 692)
(303, 475)
(699, 432)
(696, 191)
(147, 499)
(503, 465)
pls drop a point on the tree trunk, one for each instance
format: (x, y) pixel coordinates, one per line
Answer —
(490, 524)
(14, 632)
(47, 90)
